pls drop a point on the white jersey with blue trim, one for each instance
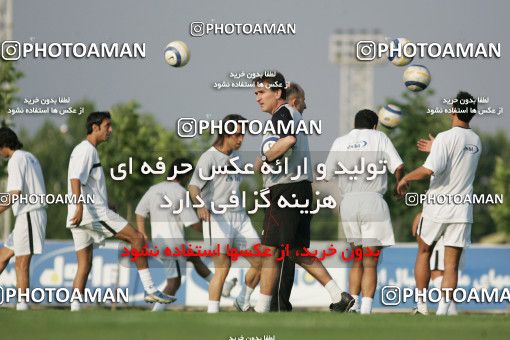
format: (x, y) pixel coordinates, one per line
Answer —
(453, 158)
(25, 175)
(356, 151)
(218, 188)
(84, 164)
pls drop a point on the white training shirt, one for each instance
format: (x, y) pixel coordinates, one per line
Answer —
(220, 187)
(453, 159)
(84, 165)
(165, 224)
(25, 175)
(373, 146)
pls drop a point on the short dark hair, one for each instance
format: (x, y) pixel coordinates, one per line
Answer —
(273, 78)
(221, 136)
(96, 118)
(365, 119)
(294, 90)
(465, 106)
(9, 139)
(178, 164)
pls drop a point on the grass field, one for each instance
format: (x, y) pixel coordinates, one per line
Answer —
(139, 324)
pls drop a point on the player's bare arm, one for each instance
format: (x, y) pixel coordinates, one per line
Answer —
(425, 145)
(399, 174)
(76, 189)
(197, 227)
(415, 175)
(194, 192)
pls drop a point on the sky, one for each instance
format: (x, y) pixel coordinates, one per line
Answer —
(172, 93)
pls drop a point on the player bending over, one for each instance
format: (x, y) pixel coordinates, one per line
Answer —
(167, 228)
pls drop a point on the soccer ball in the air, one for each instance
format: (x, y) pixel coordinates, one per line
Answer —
(390, 115)
(400, 45)
(416, 78)
(177, 54)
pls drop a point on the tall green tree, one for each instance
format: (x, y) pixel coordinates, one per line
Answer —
(501, 185)
(9, 76)
(494, 145)
(76, 124)
(137, 136)
(415, 124)
(53, 155)
(52, 145)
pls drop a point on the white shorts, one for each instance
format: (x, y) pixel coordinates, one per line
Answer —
(437, 257)
(98, 231)
(366, 219)
(28, 234)
(175, 266)
(232, 228)
(454, 234)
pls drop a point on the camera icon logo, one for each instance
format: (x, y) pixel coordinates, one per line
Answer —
(5, 199)
(390, 296)
(11, 50)
(411, 199)
(187, 127)
(365, 50)
(197, 29)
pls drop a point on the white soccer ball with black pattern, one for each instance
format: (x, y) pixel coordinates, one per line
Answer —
(417, 78)
(400, 44)
(268, 142)
(390, 115)
(177, 54)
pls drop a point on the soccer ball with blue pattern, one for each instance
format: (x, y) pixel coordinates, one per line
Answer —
(177, 54)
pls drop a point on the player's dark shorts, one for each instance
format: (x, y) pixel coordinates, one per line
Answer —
(288, 225)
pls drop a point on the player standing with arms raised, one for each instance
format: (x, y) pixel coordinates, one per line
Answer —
(451, 165)
(168, 228)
